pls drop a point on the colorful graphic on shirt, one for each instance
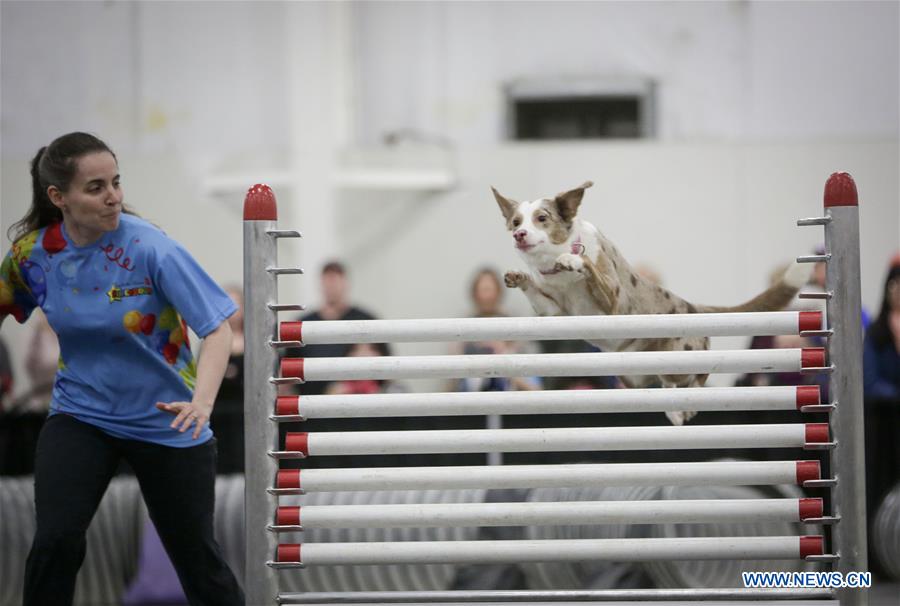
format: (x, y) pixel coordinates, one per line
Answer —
(189, 374)
(166, 341)
(116, 293)
(53, 240)
(17, 271)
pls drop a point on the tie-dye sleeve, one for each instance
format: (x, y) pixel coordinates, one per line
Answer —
(16, 298)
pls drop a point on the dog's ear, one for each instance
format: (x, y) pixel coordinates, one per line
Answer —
(568, 201)
(507, 206)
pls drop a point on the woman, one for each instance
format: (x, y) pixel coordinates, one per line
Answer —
(120, 295)
(881, 352)
(881, 381)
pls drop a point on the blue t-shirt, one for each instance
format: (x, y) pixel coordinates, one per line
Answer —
(121, 308)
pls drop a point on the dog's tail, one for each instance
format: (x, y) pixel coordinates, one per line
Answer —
(775, 298)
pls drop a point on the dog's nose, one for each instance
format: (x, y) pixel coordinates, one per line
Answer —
(520, 235)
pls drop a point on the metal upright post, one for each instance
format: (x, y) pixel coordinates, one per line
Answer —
(846, 389)
(260, 363)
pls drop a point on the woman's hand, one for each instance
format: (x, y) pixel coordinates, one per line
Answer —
(210, 369)
(187, 414)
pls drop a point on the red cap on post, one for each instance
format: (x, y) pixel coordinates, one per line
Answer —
(293, 331)
(809, 545)
(259, 204)
(810, 357)
(809, 508)
(806, 470)
(293, 367)
(290, 478)
(290, 552)
(816, 433)
(287, 405)
(809, 320)
(298, 442)
(840, 190)
(807, 395)
(290, 516)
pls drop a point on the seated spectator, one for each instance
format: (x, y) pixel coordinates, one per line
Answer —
(41, 364)
(227, 420)
(881, 359)
(362, 386)
(487, 294)
(6, 376)
(881, 384)
(336, 305)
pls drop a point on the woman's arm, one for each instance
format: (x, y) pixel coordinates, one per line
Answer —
(210, 370)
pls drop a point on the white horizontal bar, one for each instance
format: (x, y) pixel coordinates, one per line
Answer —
(563, 327)
(556, 365)
(491, 552)
(712, 473)
(336, 443)
(567, 597)
(579, 401)
(555, 513)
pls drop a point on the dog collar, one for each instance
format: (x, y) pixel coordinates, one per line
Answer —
(577, 249)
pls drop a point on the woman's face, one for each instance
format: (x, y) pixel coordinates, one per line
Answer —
(93, 203)
(487, 294)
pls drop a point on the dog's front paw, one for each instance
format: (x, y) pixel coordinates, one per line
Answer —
(569, 262)
(680, 417)
(515, 279)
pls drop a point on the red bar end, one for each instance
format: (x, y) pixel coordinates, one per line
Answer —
(840, 190)
(290, 552)
(293, 367)
(293, 331)
(816, 433)
(807, 395)
(297, 442)
(259, 204)
(812, 357)
(806, 470)
(809, 545)
(809, 508)
(290, 516)
(810, 320)
(287, 405)
(290, 478)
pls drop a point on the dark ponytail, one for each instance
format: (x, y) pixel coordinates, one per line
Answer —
(54, 165)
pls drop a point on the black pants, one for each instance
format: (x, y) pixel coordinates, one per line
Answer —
(74, 464)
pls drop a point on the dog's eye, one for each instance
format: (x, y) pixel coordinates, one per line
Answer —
(516, 223)
(542, 218)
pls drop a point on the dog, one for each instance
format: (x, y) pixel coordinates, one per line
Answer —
(575, 270)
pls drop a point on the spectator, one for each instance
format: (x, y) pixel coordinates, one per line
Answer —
(365, 386)
(881, 383)
(335, 306)
(41, 364)
(6, 376)
(881, 359)
(227, 419)
(787, 342)
(487, 293)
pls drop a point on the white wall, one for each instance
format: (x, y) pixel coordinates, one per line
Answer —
(759, 102)
(725, 70)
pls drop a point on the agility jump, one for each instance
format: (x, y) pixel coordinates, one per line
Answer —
(843, 544)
